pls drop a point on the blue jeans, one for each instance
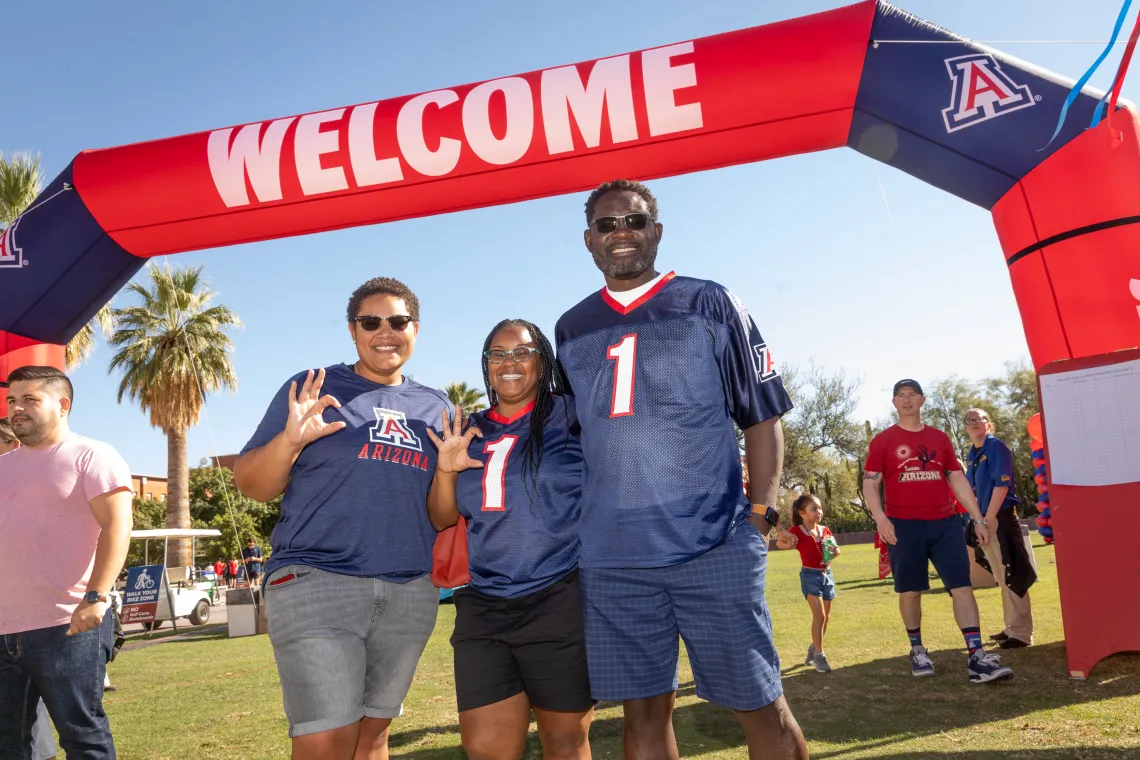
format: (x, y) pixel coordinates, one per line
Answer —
(67, 673)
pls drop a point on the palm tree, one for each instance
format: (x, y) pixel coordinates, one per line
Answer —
(80, 347)
(465, 397)
(20, 182)
(173, 349)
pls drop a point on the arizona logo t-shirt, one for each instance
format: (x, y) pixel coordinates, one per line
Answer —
(914, 467)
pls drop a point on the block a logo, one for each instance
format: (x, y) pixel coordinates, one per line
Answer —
(11, 255)
(392, 428)
(763, 364)
(982, 91)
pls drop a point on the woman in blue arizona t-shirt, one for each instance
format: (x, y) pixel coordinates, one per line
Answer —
(349, 604)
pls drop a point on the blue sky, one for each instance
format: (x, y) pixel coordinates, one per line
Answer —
(817, 258)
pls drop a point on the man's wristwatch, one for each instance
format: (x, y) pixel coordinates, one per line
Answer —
(771, 516)
(94, 597)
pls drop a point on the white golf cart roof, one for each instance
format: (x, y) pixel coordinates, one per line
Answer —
(176, 533)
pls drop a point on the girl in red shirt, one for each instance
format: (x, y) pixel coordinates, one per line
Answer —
(817, 548)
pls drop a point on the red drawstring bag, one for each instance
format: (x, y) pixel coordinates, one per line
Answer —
(449, 567)
(884, 556)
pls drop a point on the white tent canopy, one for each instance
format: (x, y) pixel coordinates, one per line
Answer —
(176, 533)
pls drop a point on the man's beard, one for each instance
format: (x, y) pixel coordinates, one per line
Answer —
(33, 435)
(627, 268)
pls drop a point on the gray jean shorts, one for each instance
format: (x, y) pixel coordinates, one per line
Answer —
(346, 647)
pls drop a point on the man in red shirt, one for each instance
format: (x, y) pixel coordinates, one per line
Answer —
(916, 463)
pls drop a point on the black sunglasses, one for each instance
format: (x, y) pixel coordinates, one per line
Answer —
(371, 323)
(607, 224)
(521, 355)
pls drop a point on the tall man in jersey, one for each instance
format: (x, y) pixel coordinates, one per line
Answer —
(915, 463)
(660, 367)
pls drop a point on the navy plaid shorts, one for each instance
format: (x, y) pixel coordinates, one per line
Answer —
(715, 602)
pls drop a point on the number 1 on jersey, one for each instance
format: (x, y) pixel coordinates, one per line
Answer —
(624, 355)
(495, 473)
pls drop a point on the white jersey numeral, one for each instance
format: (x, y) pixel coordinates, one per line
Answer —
(495, 473)
(624, 355)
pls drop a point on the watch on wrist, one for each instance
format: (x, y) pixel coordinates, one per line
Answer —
(771, 516)
(94, 597)
(977, 522)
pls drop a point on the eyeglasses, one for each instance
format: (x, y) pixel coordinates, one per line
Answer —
(371, 323)
(521, 355)
(607, 224)
(972, 420)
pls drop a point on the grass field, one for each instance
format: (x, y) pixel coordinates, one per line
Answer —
(213, 697)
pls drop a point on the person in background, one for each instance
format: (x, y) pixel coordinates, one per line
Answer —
(252, 557)
(816, 581)
(918, 469)
(989, 468)
(69, 497)
(232, 572)
(43, 742)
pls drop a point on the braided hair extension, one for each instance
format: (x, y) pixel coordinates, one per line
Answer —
(552, 382)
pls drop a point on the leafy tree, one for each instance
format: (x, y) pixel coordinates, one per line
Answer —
(79, 348)
(212, 494)
(21, 180)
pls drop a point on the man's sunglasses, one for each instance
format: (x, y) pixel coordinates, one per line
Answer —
(607, 224)
(521, 355)
(371, 323)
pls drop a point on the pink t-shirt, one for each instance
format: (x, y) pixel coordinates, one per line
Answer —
(47, 531)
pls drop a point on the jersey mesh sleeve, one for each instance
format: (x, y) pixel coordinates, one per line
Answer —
(753, 386)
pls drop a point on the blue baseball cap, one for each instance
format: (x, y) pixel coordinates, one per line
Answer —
(908, 384)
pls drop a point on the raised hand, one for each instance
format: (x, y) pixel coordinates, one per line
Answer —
(453, 448)
(305, 423)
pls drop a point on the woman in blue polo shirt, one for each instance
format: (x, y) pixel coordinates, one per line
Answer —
(518, 638)
(348, 600)
(989, 468)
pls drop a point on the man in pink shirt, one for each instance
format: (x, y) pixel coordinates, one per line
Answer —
(66, 498)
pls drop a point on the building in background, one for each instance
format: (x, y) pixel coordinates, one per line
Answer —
(149, 487)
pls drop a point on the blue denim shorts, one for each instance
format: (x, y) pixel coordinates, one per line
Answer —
(346, 647)
(819, 583)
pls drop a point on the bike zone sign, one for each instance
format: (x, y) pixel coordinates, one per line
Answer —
(140, 597)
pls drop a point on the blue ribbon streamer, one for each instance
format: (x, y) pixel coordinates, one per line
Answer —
(1076, 91)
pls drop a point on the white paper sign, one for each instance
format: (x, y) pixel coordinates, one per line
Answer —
(1092, 418)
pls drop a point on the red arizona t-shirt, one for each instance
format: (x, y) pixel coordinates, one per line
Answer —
(914, 467)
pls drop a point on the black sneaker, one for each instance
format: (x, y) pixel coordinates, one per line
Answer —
(983, 668)
(1000, 636)
(920, 664)
(810, 655)
(1012, 643)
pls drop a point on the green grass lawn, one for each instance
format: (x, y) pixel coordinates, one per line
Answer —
(213, 697)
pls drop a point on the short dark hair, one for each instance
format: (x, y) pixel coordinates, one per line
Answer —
(619, 185)
(7, 434)
(385, 286)
(49, 376)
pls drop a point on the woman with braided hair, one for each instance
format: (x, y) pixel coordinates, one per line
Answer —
(518, 638)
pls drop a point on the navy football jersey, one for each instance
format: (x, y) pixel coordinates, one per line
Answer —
(356, 503)
(657, 386)
(521, 537)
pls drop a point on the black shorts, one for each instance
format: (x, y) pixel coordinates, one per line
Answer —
(533, 644)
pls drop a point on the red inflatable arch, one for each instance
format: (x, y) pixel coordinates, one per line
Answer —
(958, 115)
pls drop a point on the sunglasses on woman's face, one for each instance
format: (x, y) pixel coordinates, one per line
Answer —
(607, 224)
(371, 323)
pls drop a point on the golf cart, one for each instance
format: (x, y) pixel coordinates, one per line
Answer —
(179, 587)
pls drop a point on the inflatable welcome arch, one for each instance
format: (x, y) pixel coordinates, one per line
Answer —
(958, 115)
